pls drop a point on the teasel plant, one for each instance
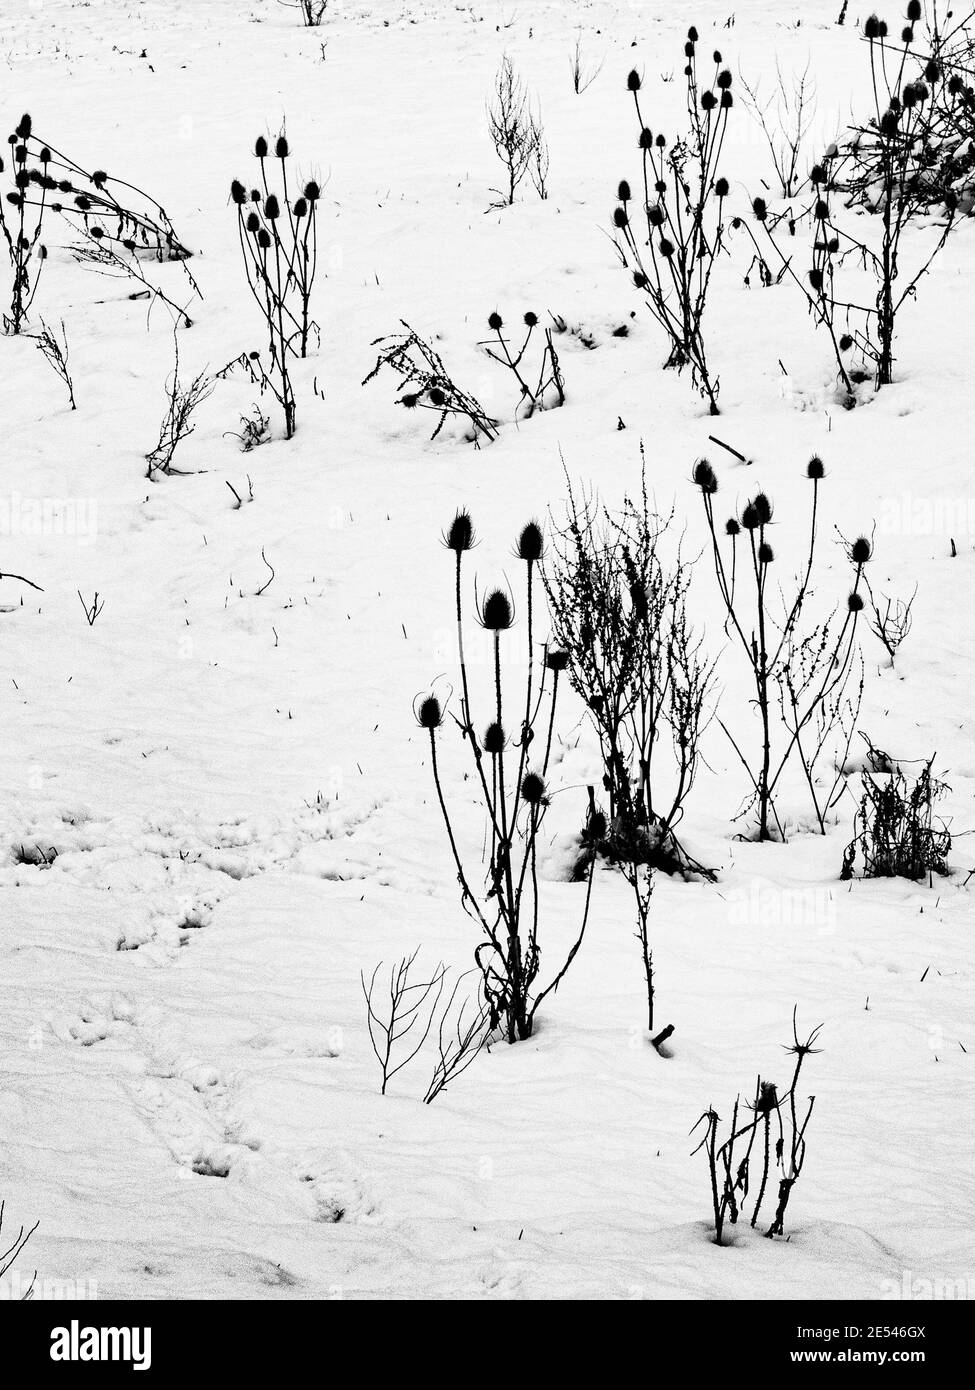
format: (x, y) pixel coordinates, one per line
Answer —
(21, 222)
(773, 1136)
(801, 671)
(512, 781)
(120, 224)
(879, 165)
(279, 246)
(672, 231)
(549, 387)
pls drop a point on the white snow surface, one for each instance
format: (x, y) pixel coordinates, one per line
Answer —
(235, 785)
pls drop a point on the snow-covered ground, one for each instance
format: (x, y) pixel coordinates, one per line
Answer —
(237, 792)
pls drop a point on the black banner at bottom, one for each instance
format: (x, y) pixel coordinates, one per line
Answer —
(168, 1340)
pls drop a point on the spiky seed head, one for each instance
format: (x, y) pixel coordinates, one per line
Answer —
(907, 34)
(494, 739)
(871, 27)
(495, 321)
(861, 550)
(253, 222)
(704, 477)
(620, 218)
(854, 603)
(724, 79)
(721, 188)
(914, 11)
(646, 138)
(436, 396)
(708, 101)
(45, 158)
(634, 81)
(815, 468)
(666, 248)
(409, 400)
(692, 34)
(496, 611)
(660, 142)
(238, 192)
(816, 278)
(533, 789)
(260, 147)
(430, 714)
(727, 100)
(749, 516)
(833, 245)
(557, 659)
(846, 342)
(932, 70)
(312, 191)
(731, 527)
(301, 207)
(760, 209)
(716, 56)
(264, 239)
(623, 192)
(281, 147)
(24, 126)
(596, 826)
(272, 208)
(763, 508)
(655, 215)
(817, 174)
(765, 553)
(459, 535)
(640, 280)
(688, 50)
(531, 543)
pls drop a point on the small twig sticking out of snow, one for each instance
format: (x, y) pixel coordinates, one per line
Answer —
(270, 581)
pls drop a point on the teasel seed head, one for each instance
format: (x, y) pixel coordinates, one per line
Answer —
(557, 659)
(494, 739)
(531, 543)
(430, 714)
(815, 468)
(497, 614)
(281, 147)
(763, 508)
(260, 147)
(238, 192)
(459, 535)
(731, 527)
(634, 81)
(704, 477)
(765, 553)
(533, 789)
(495, 321)
(436, 396)
(861, 551)
(854, 603)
